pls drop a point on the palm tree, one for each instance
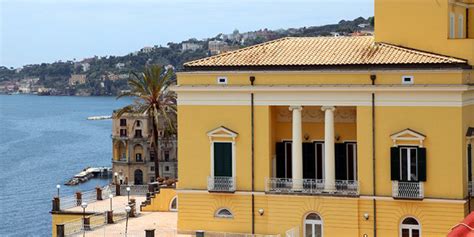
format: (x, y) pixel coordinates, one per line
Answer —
(153, 98)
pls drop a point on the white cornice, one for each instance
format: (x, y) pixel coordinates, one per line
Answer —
(322, 88)
(461, 4)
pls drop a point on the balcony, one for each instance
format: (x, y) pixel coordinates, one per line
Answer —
(407, 190)
(312, 187)
(221, 184)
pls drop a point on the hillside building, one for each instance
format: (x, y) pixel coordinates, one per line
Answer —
(77, 79)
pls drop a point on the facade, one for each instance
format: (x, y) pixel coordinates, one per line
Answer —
(190, 46)
(133, 154)
(77, 79)
(336, 136)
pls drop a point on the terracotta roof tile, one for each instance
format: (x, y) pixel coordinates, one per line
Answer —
(322, 51)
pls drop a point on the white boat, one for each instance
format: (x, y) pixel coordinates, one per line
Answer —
(99, 117)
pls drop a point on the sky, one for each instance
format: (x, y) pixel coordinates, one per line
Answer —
(37, 31)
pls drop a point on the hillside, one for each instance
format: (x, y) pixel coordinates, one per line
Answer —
(107, 75)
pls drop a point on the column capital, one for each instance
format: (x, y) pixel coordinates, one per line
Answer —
(324, 108)
(295, 107)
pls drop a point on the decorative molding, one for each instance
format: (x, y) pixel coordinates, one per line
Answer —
(222, 132)
(316, 115)
(407, 135)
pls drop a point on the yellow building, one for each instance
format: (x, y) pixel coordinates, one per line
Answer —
(346, 136)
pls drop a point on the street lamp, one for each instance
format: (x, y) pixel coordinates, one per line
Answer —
(58, 187)
(128, 193)
(127, 209)
(111, 196)
(84, 206)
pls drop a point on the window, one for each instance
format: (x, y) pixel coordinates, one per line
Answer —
(167, 168)
(123, 122)
(460, 27)
(224, 213)
(222, 80)
(452, 29)
(152, 168)
(152, 155)
(138, 133)
(408, 80)
(351, 155)
(174, 204)
(139, 123)
(152, 179)
(408, 164)
(123, 132)
(138, 157)
(313, 226)
(167, 155)
(410, 228)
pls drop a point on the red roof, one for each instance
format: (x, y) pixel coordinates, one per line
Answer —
(465, 228)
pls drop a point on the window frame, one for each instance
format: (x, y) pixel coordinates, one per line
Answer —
(452, 25)
(175, 198)
(460, 26)
(354, 144)
(409, 227)
(409, 148)
(233, 156)
(313, 223)
(217, 215)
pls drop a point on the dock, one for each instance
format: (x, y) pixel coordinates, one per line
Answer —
(89, 173)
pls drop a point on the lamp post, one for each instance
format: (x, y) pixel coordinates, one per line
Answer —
(84, 206)
(111, 196)
(128, 194)
(116, 180)
(58, 187)
(127, 209)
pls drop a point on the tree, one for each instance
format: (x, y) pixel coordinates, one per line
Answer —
(153, 98)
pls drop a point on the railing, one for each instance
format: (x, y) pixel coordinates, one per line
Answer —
(408, 190)
(90, 196)
(221, 184)
(230, 234)
(470, 188)
(78, 225)
(312, 186)
(134, 189)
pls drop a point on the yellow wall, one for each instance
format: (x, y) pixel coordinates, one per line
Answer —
(421, 24)
(161, 201)
(61, 218)
(341, 216)
(302, 78)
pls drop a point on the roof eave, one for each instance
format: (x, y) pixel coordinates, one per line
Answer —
(352, 67)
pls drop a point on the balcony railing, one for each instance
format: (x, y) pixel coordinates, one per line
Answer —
(408, 190)
(221, 184)
(470, 188)
(312, 186)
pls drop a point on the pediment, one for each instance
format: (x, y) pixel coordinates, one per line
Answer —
(222, 132)
(407, 135)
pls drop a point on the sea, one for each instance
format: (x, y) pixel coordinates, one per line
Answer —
(44, 141)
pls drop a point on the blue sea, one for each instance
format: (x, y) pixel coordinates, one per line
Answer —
(44, 141)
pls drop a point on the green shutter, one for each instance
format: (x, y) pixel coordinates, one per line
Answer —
(341, 161)
(421, 164)
(223, 159)
(395, 163)
(280, 160)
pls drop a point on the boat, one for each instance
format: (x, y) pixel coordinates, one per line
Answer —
(99, 117)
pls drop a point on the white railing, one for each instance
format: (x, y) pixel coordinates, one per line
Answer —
(77, 225)
(221, 184)
(312, 186)
(89, 196)
(409, 190)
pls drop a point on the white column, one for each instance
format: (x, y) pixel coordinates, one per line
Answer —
(297, 149)
(329, 158)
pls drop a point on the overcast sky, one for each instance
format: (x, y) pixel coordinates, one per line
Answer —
(36, 31)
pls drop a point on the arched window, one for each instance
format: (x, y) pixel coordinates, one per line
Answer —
(174, 204)
(138, 150)
(410, 227)
(313, 225)
(224, 213)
